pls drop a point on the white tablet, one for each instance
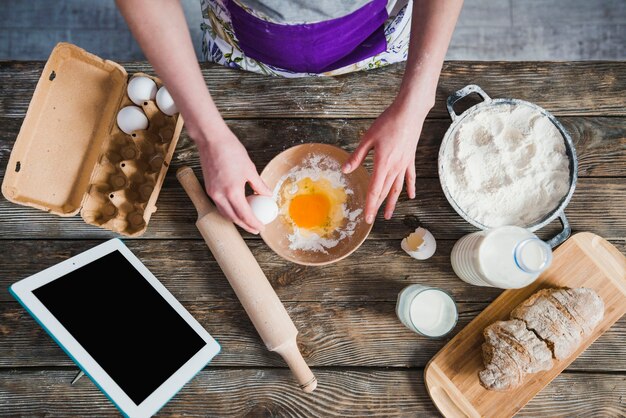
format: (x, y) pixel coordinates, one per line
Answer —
(121, 326)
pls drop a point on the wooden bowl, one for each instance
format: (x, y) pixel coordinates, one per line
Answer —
(276, 233)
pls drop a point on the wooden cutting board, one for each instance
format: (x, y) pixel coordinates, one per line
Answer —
(584, 260)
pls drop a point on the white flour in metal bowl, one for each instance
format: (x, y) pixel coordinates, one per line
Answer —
(506, 166)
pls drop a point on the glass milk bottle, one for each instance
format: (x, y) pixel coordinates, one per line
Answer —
(507, 257)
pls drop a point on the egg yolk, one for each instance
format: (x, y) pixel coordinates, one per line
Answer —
(310, 210)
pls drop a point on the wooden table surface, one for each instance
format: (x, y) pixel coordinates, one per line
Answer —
(367, 363)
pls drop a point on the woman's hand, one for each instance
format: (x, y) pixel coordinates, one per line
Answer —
(395, 133)
(160, 29)
(393, 137)
(226, 169)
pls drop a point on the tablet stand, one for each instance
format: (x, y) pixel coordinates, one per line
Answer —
(77, 377)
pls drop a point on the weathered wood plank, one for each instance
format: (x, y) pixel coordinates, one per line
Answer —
(377, 271)
(564, 88)
(272, 392)
(347, 334)
(600, 141)
(597, 206)
(236, 393)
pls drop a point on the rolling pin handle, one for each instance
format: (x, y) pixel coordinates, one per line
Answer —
(248, 281)
(194, 189)
(303, 374)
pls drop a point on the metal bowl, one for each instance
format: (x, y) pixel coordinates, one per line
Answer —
(486, 104)
(276, 234)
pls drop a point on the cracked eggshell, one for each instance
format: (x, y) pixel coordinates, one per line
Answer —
(420, 244)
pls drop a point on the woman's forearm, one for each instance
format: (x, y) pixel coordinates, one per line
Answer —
(432, 25)
(160, 28)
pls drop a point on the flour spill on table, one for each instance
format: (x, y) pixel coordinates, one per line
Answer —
(313, 199)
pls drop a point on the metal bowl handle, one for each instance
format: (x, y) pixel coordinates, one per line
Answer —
(458, 95)
(560, 238)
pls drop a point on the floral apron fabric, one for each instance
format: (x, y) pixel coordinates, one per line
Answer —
(220, 43)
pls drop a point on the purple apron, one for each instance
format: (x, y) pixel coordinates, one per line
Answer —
(312, 47)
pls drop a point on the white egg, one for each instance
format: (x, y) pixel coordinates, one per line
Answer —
(420, 244)
(165, 102)
(141, 89)
(131, 118)
(263, 207)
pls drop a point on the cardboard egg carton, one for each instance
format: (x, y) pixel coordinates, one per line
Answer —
(70, 156)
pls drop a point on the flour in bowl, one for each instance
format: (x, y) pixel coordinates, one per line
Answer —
(506, 165)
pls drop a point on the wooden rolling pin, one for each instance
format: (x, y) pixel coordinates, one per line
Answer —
(244, 274)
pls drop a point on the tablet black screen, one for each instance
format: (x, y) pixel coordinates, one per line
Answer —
(123, 322)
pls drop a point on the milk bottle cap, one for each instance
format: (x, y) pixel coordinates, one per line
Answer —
(533, 255)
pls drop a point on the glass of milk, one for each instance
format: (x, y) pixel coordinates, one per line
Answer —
(428, 311)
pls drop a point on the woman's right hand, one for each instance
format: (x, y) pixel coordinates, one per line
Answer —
(226, 168)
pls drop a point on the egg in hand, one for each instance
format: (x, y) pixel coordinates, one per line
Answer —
(263, 207)
(312, 205)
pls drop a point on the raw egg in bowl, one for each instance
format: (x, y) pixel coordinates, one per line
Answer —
(320, 218)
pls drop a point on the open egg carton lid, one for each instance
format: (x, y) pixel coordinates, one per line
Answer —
(65, 145)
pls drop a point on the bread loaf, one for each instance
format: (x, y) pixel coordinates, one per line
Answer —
(511, 351)
(550, 323)
(561, 317)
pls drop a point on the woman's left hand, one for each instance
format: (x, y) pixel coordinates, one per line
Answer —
(393, 137)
